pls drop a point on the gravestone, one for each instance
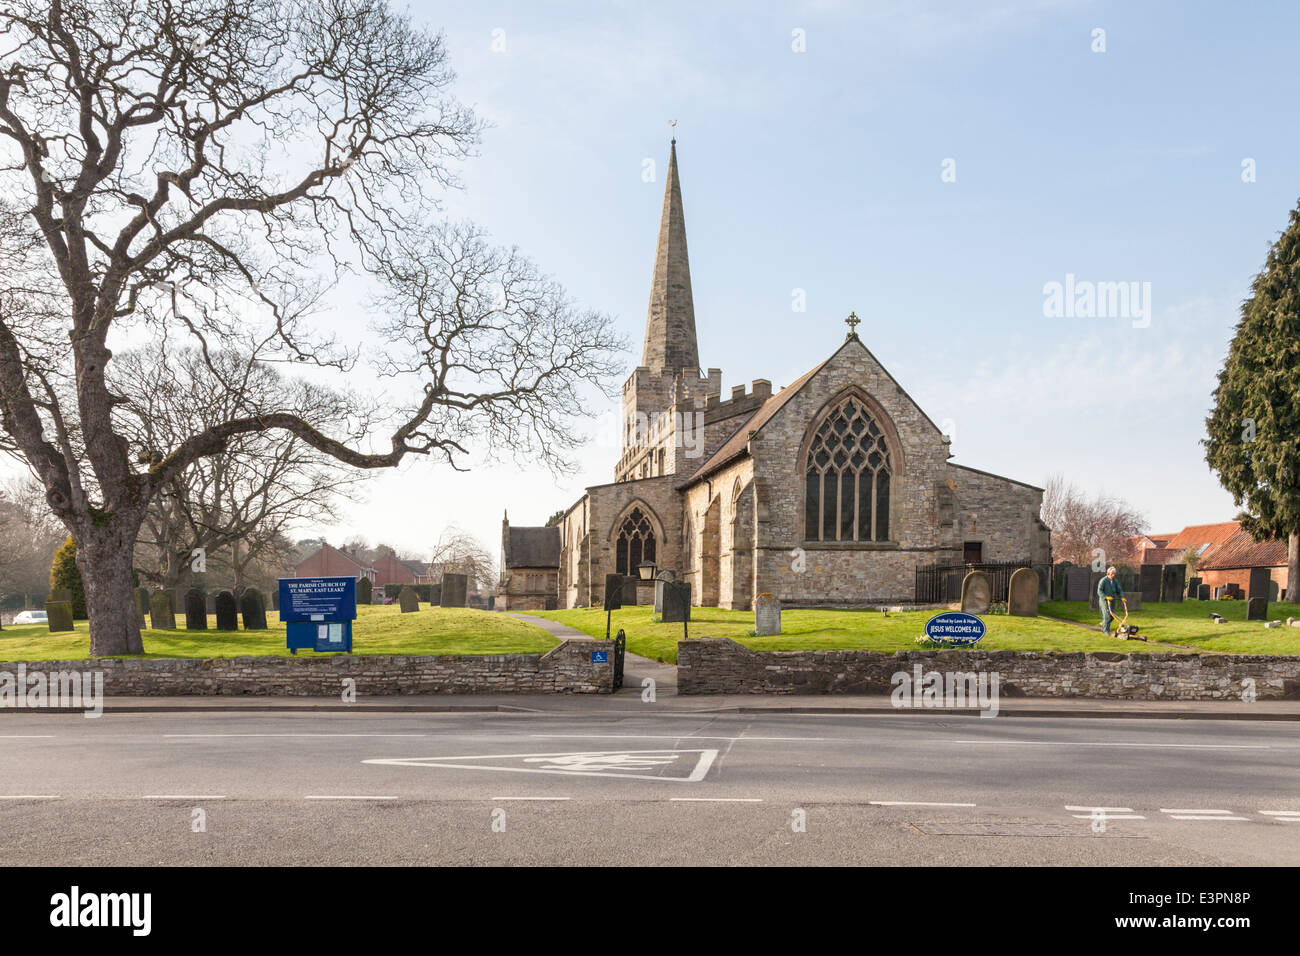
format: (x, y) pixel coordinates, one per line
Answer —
(1044, 572)
(767, 615)
(1193, 588)
(1149, 582)
(275, 599)
(1257, 609)
(252, 607)
(1133, 599)
(454, 590)
(364, 591)
(59, 596)
(630, 597)
(435, 594)
(1220, 591)
(1234, 589)
(161, 614)
(376, 596)
(1076, 584)
(227, 612)
(1172, 583)
(976, 593)
(660, 578)
(677, 602)
(409, 601)
(613, 592)
(1257, 584)
(58, 615)
(196, 610)
(1022, 593)
(1094, 578)
(1273, 591)
(1202, 592)
(142, 600)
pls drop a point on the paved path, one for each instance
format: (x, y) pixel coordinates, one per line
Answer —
(557, 630)
(636, 669)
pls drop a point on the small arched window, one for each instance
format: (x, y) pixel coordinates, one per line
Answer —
(635, 543)
(848, 474)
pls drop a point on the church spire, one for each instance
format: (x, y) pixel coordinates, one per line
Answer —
(670, 324)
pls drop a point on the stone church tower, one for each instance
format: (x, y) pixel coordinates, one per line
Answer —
(830, 492)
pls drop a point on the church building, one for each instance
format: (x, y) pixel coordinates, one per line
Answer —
(829, 492)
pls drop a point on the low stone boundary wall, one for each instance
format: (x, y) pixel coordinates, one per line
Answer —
(567, 669)
(721, 666)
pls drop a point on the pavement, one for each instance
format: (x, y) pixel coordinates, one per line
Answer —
(651, 786)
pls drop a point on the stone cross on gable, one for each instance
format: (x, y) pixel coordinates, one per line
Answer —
(852, 322)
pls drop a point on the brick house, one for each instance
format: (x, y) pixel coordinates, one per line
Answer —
(1225, 554)
(391, 570)
(831, 491)
(330, 562)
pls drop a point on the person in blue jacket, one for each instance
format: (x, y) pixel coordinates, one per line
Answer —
(1110, 594)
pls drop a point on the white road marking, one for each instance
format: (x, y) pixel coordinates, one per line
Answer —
(337, 797)
(669, 737)
(1108, 743)
(1102, 809)
(29, 796)
(1281, 813)
(1204, 815)
(25, 736)
(1105, 813)
(597, 763)
(716, 799)
(915, 803)
(295, 735)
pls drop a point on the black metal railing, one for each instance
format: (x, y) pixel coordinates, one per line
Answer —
(941, 583)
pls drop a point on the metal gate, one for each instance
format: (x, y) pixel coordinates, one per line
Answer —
(620, 646)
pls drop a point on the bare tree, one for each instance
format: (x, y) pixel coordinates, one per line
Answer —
(187, 171)
(29, 536)
(245, 499)
(459, 552)
(1087, 529)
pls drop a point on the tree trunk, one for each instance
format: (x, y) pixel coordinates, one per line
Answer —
(1292, 566)
(104, 558)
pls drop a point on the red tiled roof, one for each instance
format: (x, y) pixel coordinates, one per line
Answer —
(1243, 551)
(1194, 536)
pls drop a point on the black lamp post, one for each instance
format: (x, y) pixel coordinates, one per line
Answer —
(646, 571)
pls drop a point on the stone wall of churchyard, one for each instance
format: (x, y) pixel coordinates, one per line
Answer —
(1000, 513)
(567, 669)
(721, 666)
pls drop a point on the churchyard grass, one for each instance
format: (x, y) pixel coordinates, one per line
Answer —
(1189, 623)
(377, 630)
(872, 631)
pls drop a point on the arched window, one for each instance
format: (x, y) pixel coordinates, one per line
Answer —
(636, 542)
(848, 475)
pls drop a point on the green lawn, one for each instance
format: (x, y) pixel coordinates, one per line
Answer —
(850, 630)
(1189, 623)
(377, 630)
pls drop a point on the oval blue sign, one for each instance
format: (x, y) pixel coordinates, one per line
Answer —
(954, 627)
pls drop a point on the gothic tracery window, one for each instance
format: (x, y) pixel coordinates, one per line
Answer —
(848, 475)
(636, 542)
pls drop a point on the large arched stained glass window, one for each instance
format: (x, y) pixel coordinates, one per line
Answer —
(636, 542)
(848, 475)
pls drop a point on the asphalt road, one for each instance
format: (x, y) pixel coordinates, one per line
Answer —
(489, 788)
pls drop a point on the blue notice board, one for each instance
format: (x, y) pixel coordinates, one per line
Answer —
(318, 613)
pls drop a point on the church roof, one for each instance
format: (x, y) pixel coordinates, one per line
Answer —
(670, 341)
(735, 446)
(534, 547)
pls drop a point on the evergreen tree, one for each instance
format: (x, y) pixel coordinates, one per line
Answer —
(65, 574)
(1254, 429)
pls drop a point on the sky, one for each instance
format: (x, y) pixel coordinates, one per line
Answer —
(932, 166)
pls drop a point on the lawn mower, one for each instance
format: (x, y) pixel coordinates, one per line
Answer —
(1124, 630)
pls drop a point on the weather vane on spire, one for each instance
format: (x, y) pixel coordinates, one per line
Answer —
(852, 322)
(673, 124)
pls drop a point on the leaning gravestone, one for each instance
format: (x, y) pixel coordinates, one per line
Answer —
(161, 614)
(58, 615)
(1257, 609)
(1193, 588)
(1149, 582)
(252, 607)
(1076, 584)
(1094, 599)
(1022, 593)
(227, 612)
(1202, 592)
(408, 600)
(196, 610)
(976, 593)
(455, 588)
(1172, 583)
(677, 602)
(767, 615)
(1257, 585)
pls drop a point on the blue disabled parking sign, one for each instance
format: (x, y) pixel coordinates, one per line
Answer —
(599, 657)
(318, 613)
